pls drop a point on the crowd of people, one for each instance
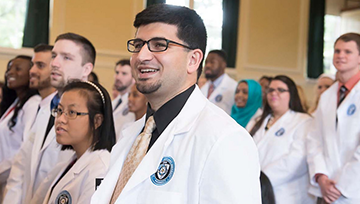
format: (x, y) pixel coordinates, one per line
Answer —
(175, 133)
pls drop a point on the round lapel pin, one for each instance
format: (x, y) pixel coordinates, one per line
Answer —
(164, 172)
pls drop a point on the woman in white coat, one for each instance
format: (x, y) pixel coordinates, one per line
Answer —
(17, 111)
(280, 136)
(84, 123)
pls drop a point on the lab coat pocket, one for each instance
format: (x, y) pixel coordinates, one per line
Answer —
(160, 197)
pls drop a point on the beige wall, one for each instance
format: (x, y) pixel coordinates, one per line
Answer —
(272, 35)
(273, 40)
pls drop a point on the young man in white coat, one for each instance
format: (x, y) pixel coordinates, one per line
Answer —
(333, 142)
(219, 88)
(72, 57)
(189, 151)
(123, 83)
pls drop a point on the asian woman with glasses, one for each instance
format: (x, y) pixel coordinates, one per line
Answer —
(84, 124)
(280, 136)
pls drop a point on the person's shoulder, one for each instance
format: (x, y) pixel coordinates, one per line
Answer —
(300, 118)
(230, 80)
(100, 158)
(35, 99)
(217, 123)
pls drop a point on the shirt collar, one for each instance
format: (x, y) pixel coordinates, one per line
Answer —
(351, 82)
(167, 112)
(218, 81)
(47, 99)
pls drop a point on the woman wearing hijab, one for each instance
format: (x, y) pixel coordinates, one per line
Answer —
(248, 101)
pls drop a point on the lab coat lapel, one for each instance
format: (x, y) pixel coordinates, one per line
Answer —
(118, 156)
(180, 125)
(275, 128)
(50, 137)
(331, 111)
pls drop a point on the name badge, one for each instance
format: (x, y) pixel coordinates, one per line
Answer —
(351, 110)
(280, 132)
(218, 98)
(164, 172)
(64, 197)
(126, 111)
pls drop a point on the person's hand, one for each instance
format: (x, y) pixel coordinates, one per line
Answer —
(328, 190)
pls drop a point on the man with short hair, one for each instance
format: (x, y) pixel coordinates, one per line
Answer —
(123, 83)
(189, 150)
(334, 141)
(73, 57)
(219, 88)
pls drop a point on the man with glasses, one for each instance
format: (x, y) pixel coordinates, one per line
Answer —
(220, 87)
(185, 150)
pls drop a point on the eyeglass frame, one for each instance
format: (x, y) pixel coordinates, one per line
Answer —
(54, 112)
(156, 38)
(278, 90)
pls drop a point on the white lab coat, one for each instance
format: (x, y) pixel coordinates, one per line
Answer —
(282, 151)
(33, 162)
(10, 141)
(215, 161)
(334, 150)
(223, 95)
(121, 114)
(79, 181)
(254, 119)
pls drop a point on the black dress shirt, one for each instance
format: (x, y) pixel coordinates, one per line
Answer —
(167, 113)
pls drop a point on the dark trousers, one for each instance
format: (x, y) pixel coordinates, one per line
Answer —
(320, 201)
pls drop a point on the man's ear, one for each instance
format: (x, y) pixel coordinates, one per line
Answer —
(87, 69)
(194, 61)
(98, 119)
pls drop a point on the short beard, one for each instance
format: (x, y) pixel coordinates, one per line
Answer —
(148, 89)
(59, 84)
(43, 84)
(121, 88)
(210, 76)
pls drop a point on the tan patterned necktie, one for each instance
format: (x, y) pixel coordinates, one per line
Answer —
(211, 89)
(134, 157)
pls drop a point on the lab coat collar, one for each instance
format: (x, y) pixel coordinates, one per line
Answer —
(180, 125)
(222, 86)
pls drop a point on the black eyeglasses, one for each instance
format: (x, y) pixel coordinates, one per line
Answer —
(57, 112)
(279, 90)
(154, 45)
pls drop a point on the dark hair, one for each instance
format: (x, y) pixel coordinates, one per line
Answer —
(347, 37)
(267, 192)
(88, 50)
(104, 135)
(43, 48)
(191, 28)
(221, 54)
(123, 62)
(265, 77)
(94, 76)
(294, 103)
(10, 95)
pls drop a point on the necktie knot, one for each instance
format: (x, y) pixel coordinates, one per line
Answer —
(343, 89)
(150, 125)
(342, 94)
(55, 101)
